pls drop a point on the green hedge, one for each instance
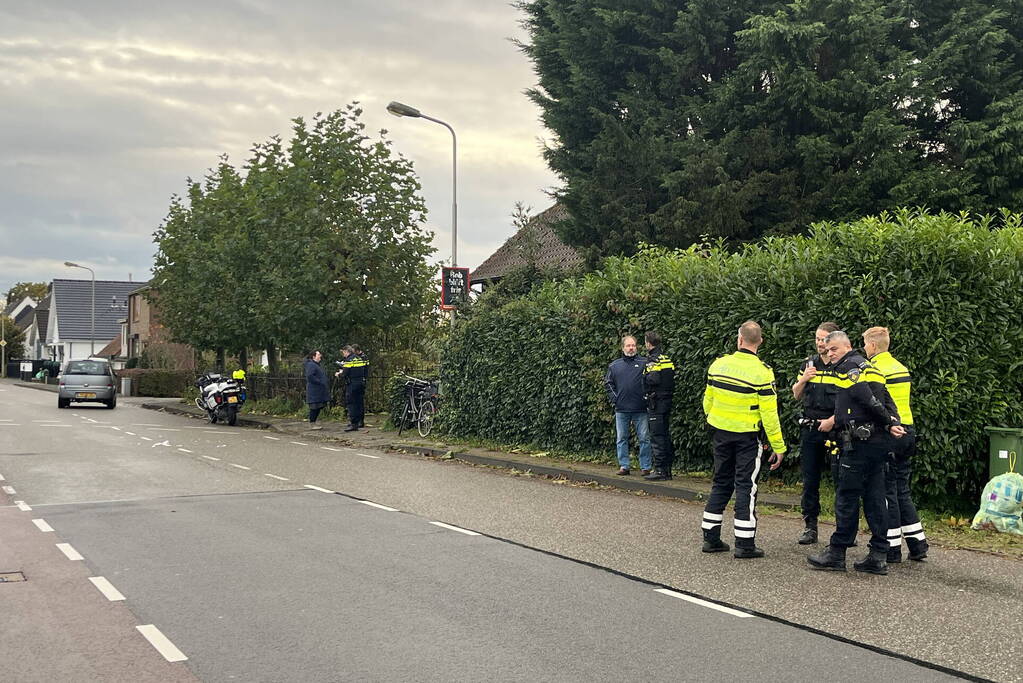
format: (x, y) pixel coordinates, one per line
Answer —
(159, 383)
(949, 287)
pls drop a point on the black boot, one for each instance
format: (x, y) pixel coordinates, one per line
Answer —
(832, 559)
(894, 555)
(658, 475)
(748, 552)
(873, 563)
(809, 535)
(917, 550)
(712, 542)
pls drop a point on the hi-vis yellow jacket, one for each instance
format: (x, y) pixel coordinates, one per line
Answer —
(897, 381)
(740, 397)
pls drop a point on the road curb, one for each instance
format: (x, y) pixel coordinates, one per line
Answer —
(614, 481)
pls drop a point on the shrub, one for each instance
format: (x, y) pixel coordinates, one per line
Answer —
(158, 383)
(949, 287)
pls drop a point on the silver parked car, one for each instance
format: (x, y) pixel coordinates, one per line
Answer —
(89, 380)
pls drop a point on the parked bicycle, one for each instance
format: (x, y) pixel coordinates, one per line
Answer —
(421, 402)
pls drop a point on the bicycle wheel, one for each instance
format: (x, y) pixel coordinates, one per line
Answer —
(426, 414)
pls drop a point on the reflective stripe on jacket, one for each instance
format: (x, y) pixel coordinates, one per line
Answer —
(740, 397)
(897, 381)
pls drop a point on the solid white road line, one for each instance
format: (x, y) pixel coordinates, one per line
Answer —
(274, 476)
(241, 467)
(272, 438)
(22, 505)
(9, 490)
(69, 552)
(299, 443)
(317, 488)
(210, 457)
(703, 603)
(106, 588)
(367, 455)
(378, 505)
(162, 643)
(184, 450)
(455, 528)
(43, 526)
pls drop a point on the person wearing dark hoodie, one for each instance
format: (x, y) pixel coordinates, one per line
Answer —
(317, 391)
(624, 384)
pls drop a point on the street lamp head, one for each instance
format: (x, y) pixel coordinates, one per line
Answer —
(71, 265)
(399, 109)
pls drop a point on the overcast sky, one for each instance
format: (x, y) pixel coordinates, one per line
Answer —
(108, 106)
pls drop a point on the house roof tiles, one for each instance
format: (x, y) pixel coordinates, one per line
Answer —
(73, 299)
(551, 252)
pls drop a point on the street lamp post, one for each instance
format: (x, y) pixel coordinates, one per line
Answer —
(399, 109)
(92, 338)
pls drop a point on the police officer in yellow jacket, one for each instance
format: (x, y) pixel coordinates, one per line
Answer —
(355, 371)
(903, 520)
(739, 401)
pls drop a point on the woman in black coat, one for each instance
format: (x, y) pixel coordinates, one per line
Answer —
(317, 391)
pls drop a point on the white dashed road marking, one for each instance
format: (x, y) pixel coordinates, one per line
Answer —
(162, 643)
(9, 490)
(367, 455)
(241, 467)
(42, 525)
(131, 433)
(145, 438)
(703, 603)
(2, 478)
(328, 448)
(22, 505)
(50, 425)
(184, 450)
(9, 424)
(210, 457)
(272, 438)
(378, 505)
(106, 588)
(69, 552)
(455, 528)
(274, 476)
(299, 443)
(46, 420)
(317, 488)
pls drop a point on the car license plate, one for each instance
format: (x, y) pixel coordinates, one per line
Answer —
(85, 394)
(232, 399)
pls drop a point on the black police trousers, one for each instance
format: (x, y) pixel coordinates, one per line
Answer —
(355, 398)
(813, 455)
(861, 475)
(661, 448)
(736, 466)
(903, 520)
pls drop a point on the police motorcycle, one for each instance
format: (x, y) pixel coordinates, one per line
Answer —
(221, 397)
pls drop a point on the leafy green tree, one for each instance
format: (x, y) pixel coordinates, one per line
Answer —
(680, 119)
(15, 338)
(320, 241)
(36, 290)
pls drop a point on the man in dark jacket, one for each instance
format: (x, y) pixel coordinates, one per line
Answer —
(624, 384)
(317, 393)
(659, 385)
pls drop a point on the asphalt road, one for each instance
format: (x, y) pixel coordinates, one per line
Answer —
(229, 543)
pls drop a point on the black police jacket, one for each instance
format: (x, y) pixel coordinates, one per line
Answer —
(862, 398)
(355, 368)
(819, 393)
(658, 375)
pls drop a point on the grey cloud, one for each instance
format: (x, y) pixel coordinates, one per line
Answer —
(111, 105)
